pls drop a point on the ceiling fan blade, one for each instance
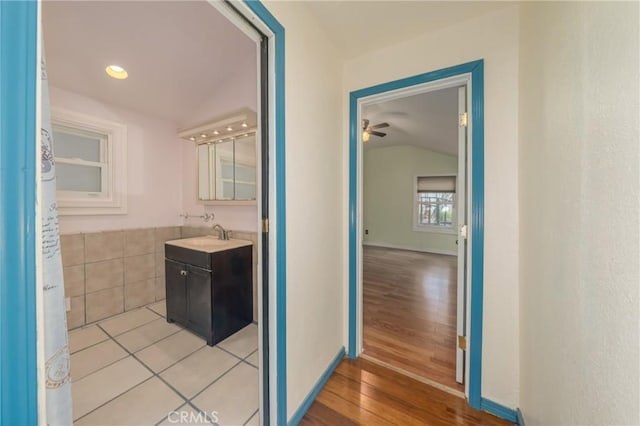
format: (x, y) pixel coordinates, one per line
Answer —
(365, 123)
(380, 134)
(380, 126)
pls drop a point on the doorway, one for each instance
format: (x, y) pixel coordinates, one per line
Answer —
(20, 219)
(470, 76)
(132, 296)
(414, 192)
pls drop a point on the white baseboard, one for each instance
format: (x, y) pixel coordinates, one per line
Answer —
(393, 246)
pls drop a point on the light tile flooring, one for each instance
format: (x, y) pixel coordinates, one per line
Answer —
(137, 369)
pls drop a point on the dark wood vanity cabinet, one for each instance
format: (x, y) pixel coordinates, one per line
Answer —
(211, 294)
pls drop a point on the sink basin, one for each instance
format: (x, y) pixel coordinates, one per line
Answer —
(205, 241)
(208, 244)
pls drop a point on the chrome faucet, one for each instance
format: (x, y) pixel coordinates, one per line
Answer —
(223, 234)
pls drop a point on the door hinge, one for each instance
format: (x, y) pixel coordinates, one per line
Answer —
(463, 119)
(462, 343)
(265, 225)
(464, 231)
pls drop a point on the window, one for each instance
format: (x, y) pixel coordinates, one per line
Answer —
(90, 158)
(435, 203)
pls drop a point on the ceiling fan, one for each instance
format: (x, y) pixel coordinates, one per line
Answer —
(367, 130)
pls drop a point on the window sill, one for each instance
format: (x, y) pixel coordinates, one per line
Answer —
(436, 229)
(228, 202)
(84, 207)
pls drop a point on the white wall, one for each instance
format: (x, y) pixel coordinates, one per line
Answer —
(389, 197)
(237, 92)
(494, 38)
(154, 168)
(315, 258)
(579, 232)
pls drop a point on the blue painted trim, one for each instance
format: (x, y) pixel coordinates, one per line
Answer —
(18, 73)
(477, 234)
(519, 418)
(354, 129)
(302, 410)
(281, 204)
(476, 69)
(496, 409)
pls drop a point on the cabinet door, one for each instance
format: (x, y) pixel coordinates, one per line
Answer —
(199, 300)
(176, 285)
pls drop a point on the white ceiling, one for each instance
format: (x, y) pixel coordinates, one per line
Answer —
(356, 27)
(176, 53)
(428, 120)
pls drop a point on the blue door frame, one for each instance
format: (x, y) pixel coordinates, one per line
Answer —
(18, 103)
(476, 69)
(18, 74)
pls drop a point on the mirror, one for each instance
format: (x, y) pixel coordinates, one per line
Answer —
(227, 169)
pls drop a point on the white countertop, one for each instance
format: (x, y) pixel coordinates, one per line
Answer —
(208, 244)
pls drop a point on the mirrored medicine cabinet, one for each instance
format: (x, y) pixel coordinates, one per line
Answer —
(226, 159)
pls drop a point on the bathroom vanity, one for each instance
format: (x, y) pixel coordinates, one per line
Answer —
(209, 285)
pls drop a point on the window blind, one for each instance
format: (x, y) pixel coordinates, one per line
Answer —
(437, 184)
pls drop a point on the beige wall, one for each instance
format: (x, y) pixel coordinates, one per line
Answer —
(315, 259)
(494, 38)
(389, 176)
(579, 233)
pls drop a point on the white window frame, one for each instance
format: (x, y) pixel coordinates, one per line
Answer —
(113, 164)
(437, 229)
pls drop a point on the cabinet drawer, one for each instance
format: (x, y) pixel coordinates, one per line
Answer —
(185, 255)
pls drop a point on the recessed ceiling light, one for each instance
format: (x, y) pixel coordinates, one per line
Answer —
(215, 132)
(117, 72)
(192, 138)
(229, 129)
(244, 124)
(203, 135)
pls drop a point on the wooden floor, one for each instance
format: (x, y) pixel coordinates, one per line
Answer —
(363, 393)
(409, 312)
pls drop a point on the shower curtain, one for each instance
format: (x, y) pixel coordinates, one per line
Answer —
(56, 348)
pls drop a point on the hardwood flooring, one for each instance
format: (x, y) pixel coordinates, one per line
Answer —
(409, 312)
(363, 393)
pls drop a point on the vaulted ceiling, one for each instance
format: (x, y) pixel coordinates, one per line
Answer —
(176, 53)
(428, 120)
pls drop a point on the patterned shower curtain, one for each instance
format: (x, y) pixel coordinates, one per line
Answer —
(56, 348)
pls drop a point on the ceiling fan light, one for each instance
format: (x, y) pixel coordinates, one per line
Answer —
(365, 136)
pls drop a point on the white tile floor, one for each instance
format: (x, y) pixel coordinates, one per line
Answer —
(137, 369)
